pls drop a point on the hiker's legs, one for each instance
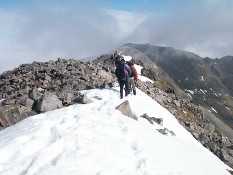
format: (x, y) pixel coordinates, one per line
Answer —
(126, 87)
(132, 82)
(121, 88)
(130, 85)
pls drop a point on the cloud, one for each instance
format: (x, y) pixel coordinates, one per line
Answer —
(76, 29)
(203, 28)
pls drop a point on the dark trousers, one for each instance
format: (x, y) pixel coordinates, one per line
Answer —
(122, 84)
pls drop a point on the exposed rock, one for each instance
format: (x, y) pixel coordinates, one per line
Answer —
(125, 109)
(83, 99)
(209, 128)
(213, 147)
(165, 131)
(28, 103)
(9, 115)
(225, 155)
(48, 102)
(153, 119)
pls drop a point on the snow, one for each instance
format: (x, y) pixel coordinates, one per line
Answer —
(142, 78)
(202, 78)
(96, 139)
(213, 109)
(202, 91)
(138, 69)
(190, 95)
(190, 91)
(127, 58)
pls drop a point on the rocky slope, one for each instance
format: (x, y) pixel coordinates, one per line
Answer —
(207, 81)
(38, 87)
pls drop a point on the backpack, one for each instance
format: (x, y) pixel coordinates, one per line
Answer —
(132, 72)
(121, 71)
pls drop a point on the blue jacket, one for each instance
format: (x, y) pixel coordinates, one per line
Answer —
(126, 67)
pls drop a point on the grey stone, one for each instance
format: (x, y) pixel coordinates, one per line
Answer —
(195, 135)
(209, 128)
(153, 119)
(177, 103)
(165, 131)
(83, 99)
(48, 102)
(224, 155)
(157, 120)
(28, 103)
(213, 147)
(9, 115)
(125, 109)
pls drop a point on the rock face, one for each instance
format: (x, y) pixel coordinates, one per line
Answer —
(207, 80)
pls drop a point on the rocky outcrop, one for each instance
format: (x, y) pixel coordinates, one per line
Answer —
(39, 87)
(125, 109)
(153, 120)
(48, 102)
(9, 115)
(190, 116)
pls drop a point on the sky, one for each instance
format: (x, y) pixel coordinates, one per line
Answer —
(96, 138)
(44, 30)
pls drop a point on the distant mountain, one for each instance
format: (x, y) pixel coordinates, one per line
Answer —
(208, 81)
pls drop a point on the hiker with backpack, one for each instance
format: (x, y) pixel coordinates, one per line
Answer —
(122, 73)
(133, 78)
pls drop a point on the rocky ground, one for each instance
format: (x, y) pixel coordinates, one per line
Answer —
(39, 87)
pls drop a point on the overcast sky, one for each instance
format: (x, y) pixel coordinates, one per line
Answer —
(42, 30)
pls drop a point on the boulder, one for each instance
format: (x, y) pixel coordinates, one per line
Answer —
(48, 102)
(28, 103)
(177, 103)
(83, 99)
(9, 115)
(125, 109)
(165, 131)
(209, 128)
(213, 147)
(153, 119)
(224, 155)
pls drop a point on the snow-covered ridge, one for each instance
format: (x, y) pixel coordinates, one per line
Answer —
(96, 138)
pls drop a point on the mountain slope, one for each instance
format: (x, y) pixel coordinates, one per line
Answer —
(96, 138)
(209, 81)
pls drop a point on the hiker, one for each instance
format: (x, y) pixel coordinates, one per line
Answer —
(122, 73)
(133, 78)
(116, 58)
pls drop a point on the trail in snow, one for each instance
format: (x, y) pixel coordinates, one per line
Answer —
(97, 139)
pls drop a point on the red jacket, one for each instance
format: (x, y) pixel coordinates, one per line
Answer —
(135, 73)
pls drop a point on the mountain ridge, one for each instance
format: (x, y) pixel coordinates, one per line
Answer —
(188, 72)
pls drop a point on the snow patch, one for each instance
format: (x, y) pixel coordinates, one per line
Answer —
(202, 78)
(96, 138)
(202, 91)
(127, 58)
(214, 110)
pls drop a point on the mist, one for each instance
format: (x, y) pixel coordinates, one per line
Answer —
(43, 32)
